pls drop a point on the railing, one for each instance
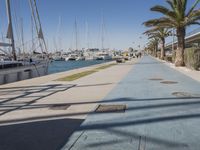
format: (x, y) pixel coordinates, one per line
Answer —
(193, 32)
(189, 34)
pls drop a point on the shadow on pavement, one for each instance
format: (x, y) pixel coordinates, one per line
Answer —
(39, 135)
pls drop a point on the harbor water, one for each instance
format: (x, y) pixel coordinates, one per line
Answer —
(60, 66)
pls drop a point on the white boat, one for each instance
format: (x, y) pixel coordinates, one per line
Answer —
(14, 70)
(75, 55)
(71, 57)
(103, 56)
(80, 58)
(90, 54)
(58, 58)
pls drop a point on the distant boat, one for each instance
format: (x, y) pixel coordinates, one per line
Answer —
(71, 57)
(103, 55)
(58, 56)
(74, 57)
(90, 54)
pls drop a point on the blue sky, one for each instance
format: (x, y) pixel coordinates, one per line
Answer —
(123, 21)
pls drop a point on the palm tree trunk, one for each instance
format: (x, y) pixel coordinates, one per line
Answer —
(162, 48)
(179, 60)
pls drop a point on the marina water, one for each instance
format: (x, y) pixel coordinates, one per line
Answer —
(60, 66)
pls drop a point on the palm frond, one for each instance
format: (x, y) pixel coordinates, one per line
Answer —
(162, 22)
(164, 11)
(193, 7)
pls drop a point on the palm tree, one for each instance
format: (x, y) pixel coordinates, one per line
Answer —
(175, 16)
(153, 45)
(160, 33)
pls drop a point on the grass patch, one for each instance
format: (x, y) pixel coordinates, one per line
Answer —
(77, 75)
(105, 66)
(84, 73)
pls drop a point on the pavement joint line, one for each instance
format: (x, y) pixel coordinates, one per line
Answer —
(72, 145)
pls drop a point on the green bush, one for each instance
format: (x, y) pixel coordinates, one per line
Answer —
(192, 58)
(168, 58)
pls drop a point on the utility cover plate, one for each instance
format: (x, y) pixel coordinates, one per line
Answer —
(110, 108)
(59, 107)
(156, 79)
(169, 82)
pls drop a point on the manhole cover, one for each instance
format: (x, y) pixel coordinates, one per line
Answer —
(110, 108)
(185, 94)
(156, 79)
(59, 107)
(169, 82)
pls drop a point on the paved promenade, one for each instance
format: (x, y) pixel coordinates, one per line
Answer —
(159, 116)
(42, 113)
(45, 114)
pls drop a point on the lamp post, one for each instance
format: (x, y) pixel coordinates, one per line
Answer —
(140, 43)
(173, 39)
(173, 51)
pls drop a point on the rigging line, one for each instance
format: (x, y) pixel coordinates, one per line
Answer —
(107, 36)
(71, 41)
(22, 36)
(87, 34)
(16, 21)
(76, 35)
(37, 13)
(35, 21)
(2, 20)
(27, 42)
(37, 48)
(58, 39)
(5, 52)
(32, 33)
(55, 44)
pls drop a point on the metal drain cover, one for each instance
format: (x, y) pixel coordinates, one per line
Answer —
(185, 94)
(169, 82)
(110, 108)
(156, 79)
(59, 107)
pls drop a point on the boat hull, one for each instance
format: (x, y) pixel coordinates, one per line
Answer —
(22, 73)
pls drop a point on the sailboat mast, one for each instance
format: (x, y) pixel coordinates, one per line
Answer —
(76, 34)
(102, 33)
(87, 35)
(22, 38)
(38, 16)
(10, 29)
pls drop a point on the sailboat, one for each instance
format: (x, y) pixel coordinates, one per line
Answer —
(35, 65)
(103, 54)
(76, 54)
(58, 55)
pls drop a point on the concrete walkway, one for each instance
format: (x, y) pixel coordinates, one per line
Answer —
(30, 114)
(158, 116)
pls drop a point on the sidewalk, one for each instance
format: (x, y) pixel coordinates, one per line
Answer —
(41, 113)
(158, 116)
